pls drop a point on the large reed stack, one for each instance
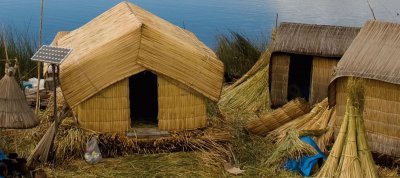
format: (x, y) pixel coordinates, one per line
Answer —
(350, 155)
(320, 119)
(250, 93)
(278, 117)
(14, 110)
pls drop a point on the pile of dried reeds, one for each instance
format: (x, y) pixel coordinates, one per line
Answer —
(70, 142)
(290, 148)
(350, 155)
(278, 117)
(321, 118)
(250, 93)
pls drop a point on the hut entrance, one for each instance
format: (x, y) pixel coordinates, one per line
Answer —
(143, 99)
(299, 76)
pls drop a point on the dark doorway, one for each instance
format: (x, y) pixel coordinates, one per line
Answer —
(299, 76)
(143, 99)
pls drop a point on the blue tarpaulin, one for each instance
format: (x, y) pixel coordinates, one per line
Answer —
(2, 155)
(305, 164)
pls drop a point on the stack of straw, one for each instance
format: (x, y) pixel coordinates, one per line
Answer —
(350, 155)
(278, 117)
(250, 93)
(321, 118)
(290, 148)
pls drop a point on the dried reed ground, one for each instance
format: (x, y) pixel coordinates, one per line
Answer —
(250, 152)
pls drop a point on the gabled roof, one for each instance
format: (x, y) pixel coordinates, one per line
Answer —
(59, 35)
(374, 54)
(126, 40)
(316, 40)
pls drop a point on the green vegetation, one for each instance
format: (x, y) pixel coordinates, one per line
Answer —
(21, 46)
(238, 53)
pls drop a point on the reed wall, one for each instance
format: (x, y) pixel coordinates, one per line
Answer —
(381, 114)
(279, 78)
(179, 109)
(107, 111)
(322, 70)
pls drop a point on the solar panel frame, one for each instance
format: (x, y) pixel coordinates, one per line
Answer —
(51, 54)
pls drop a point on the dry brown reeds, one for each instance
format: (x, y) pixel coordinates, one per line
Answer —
(278, 117)
(320, 118)
(291, 147)
(250, 93)
(71, 140)
(350, 155)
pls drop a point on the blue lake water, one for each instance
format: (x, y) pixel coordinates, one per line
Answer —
(206, 18)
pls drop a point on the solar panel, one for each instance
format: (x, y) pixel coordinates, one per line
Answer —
(49, 54)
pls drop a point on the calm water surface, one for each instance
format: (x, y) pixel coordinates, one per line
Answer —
(205, 18)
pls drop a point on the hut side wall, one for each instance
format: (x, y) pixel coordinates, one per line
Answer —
(179, 109)
(279, 78)
(107, 111)
(322, 70)
(381, 114)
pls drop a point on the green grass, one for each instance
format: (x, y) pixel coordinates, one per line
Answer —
(21, 46)
(238, 53)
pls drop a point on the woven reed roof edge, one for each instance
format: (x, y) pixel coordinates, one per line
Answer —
(296, 38)
(306, 53)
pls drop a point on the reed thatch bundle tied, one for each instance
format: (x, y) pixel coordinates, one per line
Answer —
(321, 118)
(350, 155)
(278, 117)
(15, 112)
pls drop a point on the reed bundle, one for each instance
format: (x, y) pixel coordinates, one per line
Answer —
(350, 155)
(291, 147)
(42, 150)
(320, 118)
(250, 93)
(14, 110)
(278, 117)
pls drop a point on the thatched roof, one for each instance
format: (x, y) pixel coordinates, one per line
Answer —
(374, 54)
(126, 40)
(15, 112)
(316, 40)
(59, 35)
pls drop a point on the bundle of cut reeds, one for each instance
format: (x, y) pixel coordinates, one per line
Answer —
(321, 118)
(43, 148)
(278, 117)
(290, 148)
(250, 93)
(350, 155)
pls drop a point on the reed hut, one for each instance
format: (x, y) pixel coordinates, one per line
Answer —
(302, 60)
(130, 68)
(373, 56)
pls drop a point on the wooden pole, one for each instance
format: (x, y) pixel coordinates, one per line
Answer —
(373, 14)
(39, 63)
(54, 94)
(5, 45)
